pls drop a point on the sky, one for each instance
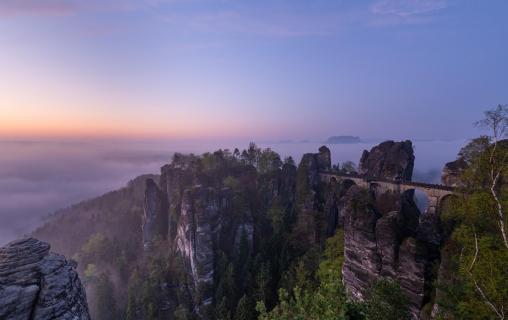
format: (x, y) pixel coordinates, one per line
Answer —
(263, 69)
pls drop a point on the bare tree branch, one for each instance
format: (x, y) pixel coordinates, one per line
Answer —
(497, 121)
(499, 313)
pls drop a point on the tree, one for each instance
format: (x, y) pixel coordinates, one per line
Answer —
(479, 238)
(263, 278)
(326, 302)
(497, 121)
(251, 155)
(474, 149)
(245, 309)
(386, 301)
(268, 161)
(348, 167)
(278, 218)
(222, 311)
(289, 161)
(105, 301)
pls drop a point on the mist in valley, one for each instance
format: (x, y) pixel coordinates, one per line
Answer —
(37, 178)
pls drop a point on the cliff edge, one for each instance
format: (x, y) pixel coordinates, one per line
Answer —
(38, 284)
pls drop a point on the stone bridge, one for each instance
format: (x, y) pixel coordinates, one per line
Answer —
(435, 193)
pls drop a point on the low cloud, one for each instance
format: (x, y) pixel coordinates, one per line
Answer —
(38, 7)
(281, 19)
(38, 178)
(407, 8)
(239, 22)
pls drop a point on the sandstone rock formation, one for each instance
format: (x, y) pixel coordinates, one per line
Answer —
(375, 249)
(155, 217)
(385, 235)
(452, 171)
(197, 234)
(324, 158)
(37, 284)
(389, 160)
(203, 214)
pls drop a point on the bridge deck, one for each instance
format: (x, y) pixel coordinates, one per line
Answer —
(406, 183)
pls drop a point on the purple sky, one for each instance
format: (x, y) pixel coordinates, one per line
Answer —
(267, 69)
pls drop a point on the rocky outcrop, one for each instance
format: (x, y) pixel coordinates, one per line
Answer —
(207, 214)
(197, 236)
(212, 211)
(155, 216)
(324, 158)
(310, 166)
(389, 160)
(452, 171)
(37, 284)
(380, 246)
(314, 221)
(362, 261)
(411, 273)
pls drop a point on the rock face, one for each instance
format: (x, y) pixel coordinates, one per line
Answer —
(324, 158)
(155, 217)
(37, 284)
(452, 171)
(389, 160)
(375, 248)
(203, 214)
(385, 235)
(310, 197)
(362, 261)
(206, 211)
(197, 235)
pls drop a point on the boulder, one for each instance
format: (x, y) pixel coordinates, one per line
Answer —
(388, 161)
(37, 284)
(452, 171)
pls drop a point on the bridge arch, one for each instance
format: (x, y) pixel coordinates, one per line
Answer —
(421, 200)
(428, 196)
(347, 183)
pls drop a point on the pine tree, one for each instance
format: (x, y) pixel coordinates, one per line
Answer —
(244, 309)
(105, 301)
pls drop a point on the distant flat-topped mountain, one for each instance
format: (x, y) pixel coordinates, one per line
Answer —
(343, 139)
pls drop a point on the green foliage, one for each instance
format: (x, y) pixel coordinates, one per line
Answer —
(326, 301)
(278, 218)
(90, 273)
(232, 183)
(104, 299)
(269, 161)
(476, 252)
(348, 167)
(263, 279)
(289, 161)
(474, 150)
(330, 267)
(222, 311)
(386, 301)
(245, 309)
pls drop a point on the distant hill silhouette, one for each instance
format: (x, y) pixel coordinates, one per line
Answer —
(343, 139)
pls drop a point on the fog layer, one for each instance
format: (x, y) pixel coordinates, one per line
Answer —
(36, 178)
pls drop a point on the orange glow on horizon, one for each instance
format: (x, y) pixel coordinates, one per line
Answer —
(40, 125)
